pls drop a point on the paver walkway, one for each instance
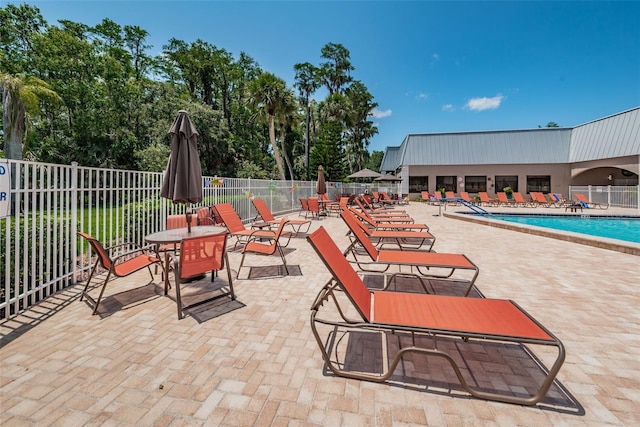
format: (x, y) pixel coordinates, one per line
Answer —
(255, 362)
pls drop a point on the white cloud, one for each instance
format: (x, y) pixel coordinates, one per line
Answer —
(436, 56)
(481, 104)
(422, 96)
(380, 114)
(448, 107)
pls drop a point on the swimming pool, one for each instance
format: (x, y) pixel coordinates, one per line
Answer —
(621, 228)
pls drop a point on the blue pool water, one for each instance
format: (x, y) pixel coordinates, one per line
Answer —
(621, 228)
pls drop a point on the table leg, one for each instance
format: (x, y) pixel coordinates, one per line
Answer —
(166, 272)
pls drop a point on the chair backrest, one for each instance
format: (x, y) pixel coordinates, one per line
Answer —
(201, 254)
(352, 223)
(450, 195)
(342, 271)
(362, 216)
(518, 197)
(344, 203)
(502, 197)
(305, 204)
(438, 195)
(263, 248)
(179, 221)
(385, 195)
(263, 210)
(230, 217)
(465, 196)
(203, 215)
(484, 197)
(581, 197)
(361, 205)
(215, 215)
(325, 197)
(376, 196)
(314, 205)
(96, 246)
(424, 195)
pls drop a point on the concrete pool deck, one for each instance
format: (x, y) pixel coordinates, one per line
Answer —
(255, 361)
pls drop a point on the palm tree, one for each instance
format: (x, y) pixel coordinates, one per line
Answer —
(21, 97)
(267, 91)
(287, 110)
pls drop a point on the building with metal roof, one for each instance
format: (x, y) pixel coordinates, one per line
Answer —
(602, 152)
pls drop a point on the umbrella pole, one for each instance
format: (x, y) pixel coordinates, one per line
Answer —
(188, 214)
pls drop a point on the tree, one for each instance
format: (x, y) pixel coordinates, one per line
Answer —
(21, 97)
(358, 127)
(306, 80)
(267, 92)
(335, 72)
(328, 151)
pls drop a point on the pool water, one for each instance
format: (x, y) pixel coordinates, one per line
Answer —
(621, 228)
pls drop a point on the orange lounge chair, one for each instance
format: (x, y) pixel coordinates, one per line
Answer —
(259, 245)
(264, 213)
(368, 206)
(423, 321)
(486, 200)
(386, 199)
(393, 215)
(427, 264)
(588, 204)
(503, 200)
(119, 261)
(237, 229)
(383, 224)
(465, 196)
(519, 199)
(409, 239)
(199, 255)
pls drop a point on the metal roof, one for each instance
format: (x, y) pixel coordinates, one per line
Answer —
(609, 137)
(613, 136)
(391, 159)
(548, 145)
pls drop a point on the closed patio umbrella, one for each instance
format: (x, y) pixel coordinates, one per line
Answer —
(321, 186)
(183, 178)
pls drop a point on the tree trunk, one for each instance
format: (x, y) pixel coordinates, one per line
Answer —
(13, 115)
(285, 153)
(274, 146)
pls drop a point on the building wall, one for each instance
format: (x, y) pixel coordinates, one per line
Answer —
(559, 173)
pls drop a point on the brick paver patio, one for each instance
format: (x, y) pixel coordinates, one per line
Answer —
(255, 362)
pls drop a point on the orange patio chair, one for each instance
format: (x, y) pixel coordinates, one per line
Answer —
(520, 200)
(264, 213)
(314, 207)
(200, 255)
(391, 215)
(423, 320)
(464, 195)
(119, 261)
(486, 200)
(385, 224)
(503, 200)
(237, 229)
(265, 246)
(409, 239)
(588, 204)
(368, 206)
(426, 264)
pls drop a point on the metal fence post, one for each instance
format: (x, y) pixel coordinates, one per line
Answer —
(74, 221)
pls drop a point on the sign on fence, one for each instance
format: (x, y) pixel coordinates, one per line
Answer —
(5, 189)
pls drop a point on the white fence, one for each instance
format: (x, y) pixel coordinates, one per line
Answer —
(623, 196)
(40, 253)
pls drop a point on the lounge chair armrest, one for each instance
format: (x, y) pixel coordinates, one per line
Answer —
(141, 250)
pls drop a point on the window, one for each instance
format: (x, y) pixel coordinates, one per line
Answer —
(473, 184)
(506, 181)
(446, 182)
(538, 183)
(418, 184)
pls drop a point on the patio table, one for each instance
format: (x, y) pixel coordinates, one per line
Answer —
(175, 236)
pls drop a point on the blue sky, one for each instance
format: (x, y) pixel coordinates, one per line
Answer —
(431, 66)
